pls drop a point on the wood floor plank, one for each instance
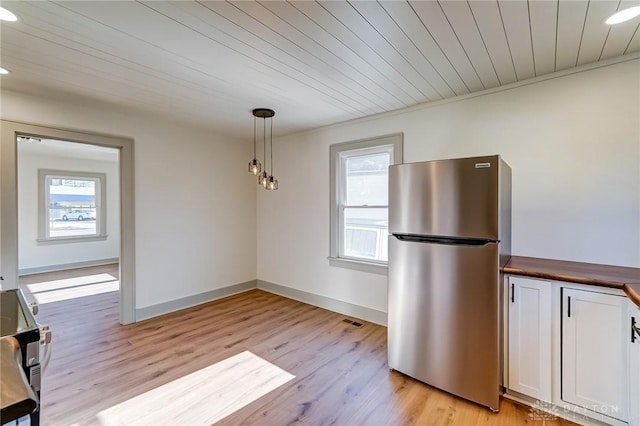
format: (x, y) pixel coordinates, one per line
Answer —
(103, 373)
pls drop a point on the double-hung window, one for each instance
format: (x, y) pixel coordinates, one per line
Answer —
(360, 210)
(72, 206)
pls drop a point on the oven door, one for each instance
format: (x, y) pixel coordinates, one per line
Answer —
(17, 399)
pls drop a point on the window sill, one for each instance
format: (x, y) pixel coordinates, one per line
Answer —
(359, 265)
(66, 240)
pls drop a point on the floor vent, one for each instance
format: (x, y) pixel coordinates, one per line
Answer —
(354, 323)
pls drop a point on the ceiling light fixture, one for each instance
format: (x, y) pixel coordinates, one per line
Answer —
(6, 15)
(623, 15)
(254, 165)
(3, 71)
(272, 182)
(265, 179)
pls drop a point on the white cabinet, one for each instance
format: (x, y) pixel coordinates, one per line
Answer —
(595, 339)
(529, 348)
(570, 346)
(634, 366)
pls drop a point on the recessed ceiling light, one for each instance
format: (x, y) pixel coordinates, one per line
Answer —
(6, 15)
(623, 15)
(3, 71)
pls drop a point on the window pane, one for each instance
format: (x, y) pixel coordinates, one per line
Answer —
(367, 179)
(365, 233)
(72, 207)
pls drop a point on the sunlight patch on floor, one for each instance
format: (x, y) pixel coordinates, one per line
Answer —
(69, 282)
(202, 397)
(70, 288)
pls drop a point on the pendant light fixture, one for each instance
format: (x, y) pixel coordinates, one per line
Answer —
(272, 182)
(254, 165)
(268, 181)
(262, 179)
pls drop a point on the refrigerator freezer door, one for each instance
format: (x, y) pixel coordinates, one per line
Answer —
(457, 198)
(444, 317)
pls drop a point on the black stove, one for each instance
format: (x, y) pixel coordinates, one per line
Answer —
(18, 321)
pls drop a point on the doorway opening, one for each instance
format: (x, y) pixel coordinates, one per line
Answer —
(56, 199)
(68, 220)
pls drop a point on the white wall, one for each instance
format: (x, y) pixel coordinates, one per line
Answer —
(573, 143)
(33, 255)
(195, 204)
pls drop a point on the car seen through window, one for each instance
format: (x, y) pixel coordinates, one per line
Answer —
(79, 215)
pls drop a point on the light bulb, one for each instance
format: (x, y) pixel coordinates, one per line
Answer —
(262, 179)
(272, 183)
(255, 166)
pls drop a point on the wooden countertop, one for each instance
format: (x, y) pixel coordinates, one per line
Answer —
(623, 278)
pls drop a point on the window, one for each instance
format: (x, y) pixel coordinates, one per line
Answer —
(72, 205)
(359, 201)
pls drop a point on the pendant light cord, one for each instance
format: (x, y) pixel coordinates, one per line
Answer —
(271, 139)
(264, 140)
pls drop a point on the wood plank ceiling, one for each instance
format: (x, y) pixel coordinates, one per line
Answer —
(315, 63)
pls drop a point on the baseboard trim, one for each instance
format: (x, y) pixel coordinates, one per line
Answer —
(356, 311)
(65, 266)
(569, 412)
(193, 300)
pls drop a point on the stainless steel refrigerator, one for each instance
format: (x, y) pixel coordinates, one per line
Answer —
(450, 226)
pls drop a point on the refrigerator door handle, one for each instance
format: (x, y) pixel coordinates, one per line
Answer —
(444, 240)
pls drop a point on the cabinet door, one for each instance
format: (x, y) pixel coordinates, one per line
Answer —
(594, 352)
(530, 337)
(634, 365)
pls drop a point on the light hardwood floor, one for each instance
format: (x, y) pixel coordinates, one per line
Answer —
(188, 361)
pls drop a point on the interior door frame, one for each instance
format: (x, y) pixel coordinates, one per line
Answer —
(9, 132)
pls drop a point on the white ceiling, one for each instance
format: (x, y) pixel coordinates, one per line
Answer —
(314, 63)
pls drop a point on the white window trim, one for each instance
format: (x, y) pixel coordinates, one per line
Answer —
(43, 207)
(395, 141)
